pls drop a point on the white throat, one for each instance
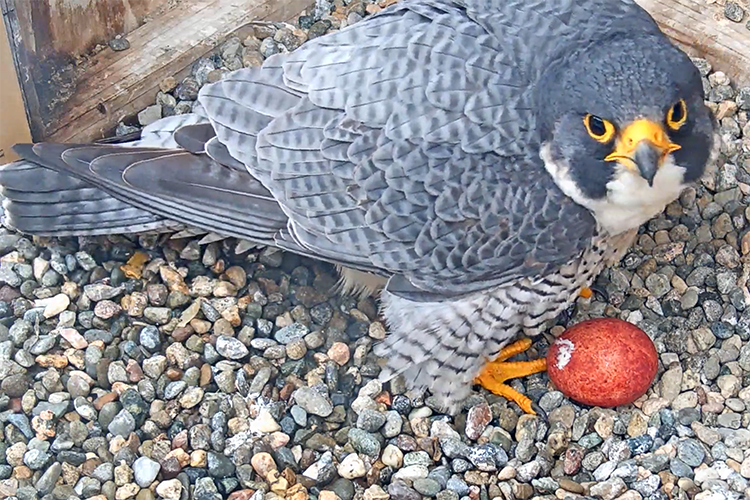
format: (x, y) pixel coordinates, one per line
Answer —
(630, 201)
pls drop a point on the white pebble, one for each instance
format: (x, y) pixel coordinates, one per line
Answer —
(53, 305)
(392, 457)
(170, 489)
(264, 423)
(352, 467)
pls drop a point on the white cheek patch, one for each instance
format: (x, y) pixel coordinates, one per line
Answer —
(630, 201)
(565, 350)
(629, 189)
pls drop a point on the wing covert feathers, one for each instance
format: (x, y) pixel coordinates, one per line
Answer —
(400, 145)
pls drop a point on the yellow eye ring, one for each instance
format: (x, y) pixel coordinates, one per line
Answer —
(599, 128)
(677, 115)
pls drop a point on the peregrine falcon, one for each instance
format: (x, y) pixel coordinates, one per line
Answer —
(485, 159)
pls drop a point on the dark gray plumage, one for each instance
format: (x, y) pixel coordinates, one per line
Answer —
(439, 144)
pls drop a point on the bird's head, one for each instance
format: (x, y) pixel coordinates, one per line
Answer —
(625, 126)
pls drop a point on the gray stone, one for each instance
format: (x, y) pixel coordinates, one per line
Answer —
(230, 347)
(605, 470)
(393, 424)
(21, 422)
(610, 489)
(734, 12)
(122, 424)
(364, 442)
(427, 487)
(219, 465)
(47, 481)
(658, 285)
(313, 401)
(290, 333)
(145, 471)
(35, 459)
(371, 420)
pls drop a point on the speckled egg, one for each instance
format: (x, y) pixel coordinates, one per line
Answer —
(603, 362)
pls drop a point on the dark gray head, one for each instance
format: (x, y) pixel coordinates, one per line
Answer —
(624, 113)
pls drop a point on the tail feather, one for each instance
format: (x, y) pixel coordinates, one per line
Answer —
(40, 201)
(164, 180)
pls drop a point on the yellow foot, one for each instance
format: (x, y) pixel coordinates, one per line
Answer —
(586, 292)
(496, 372)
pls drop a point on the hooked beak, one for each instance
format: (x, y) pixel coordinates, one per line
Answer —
(642, 145)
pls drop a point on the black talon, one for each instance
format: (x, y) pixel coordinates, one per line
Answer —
(600, 291)
(540, 413)
(565, 317)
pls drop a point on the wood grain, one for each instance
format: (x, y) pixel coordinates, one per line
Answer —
(699, 28)
(74, 27)
(83, 100)
(13, 124)
(48, 36)
(117, 85)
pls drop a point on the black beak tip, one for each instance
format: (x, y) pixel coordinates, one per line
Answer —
(647, 157)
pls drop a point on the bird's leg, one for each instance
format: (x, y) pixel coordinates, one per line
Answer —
(497, 371)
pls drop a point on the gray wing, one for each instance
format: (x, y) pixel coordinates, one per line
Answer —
(404, 145)
(407, 143)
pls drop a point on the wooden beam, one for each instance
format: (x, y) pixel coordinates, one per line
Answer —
(74, 27)
(84, 99)
(47, 37)
(117, 85)
(700, 29)
(13, 125)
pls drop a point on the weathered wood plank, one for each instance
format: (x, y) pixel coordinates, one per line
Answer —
(118, 85)
(13, 123)
(700, 29)
(73, 27)
(47, 37)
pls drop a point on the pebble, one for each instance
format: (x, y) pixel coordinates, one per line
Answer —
(690, 452)
(392, 456)
(478, 418)
(364, 442)
(119, 44)
(264, 423)
(339, 353)
(352, 467)
(74, 338)
(610, 489)
(170, 489)
(312, 401)
(47, 480)
(145, 471)
(263, 463)
(734, 12)
(231, 348)
(371, 420)
(219, 465)
(122, 424)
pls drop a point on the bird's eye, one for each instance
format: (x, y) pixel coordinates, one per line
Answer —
(677, 115)
(599, 128)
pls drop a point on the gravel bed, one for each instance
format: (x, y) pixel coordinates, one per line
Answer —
(143, 367)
